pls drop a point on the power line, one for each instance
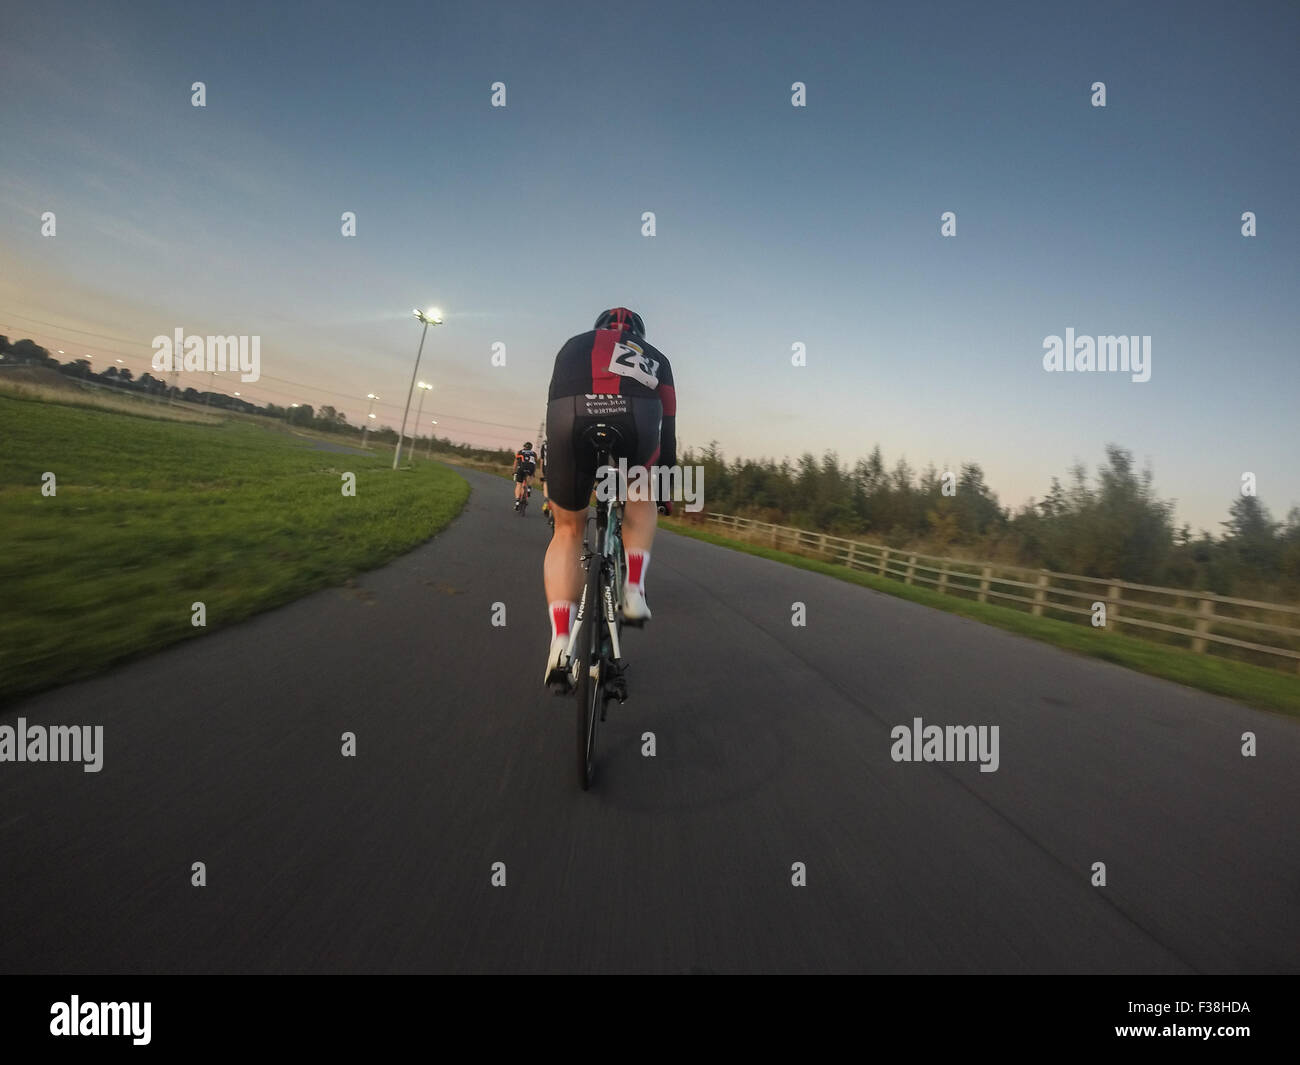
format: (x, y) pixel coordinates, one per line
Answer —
(297, 385)
(70, 329)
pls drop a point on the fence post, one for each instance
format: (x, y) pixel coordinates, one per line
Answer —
(1205, 608)
(774, 536)
(911, 568)
(1112, 607)
(884, 560)
(853, 546)
(1040, 593)
(822, 545)
(943, 578)
(984, 584)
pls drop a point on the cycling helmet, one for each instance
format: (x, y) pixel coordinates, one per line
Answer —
(528, 445)
(622, 319)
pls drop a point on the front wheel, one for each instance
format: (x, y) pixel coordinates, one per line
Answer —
(591, 675)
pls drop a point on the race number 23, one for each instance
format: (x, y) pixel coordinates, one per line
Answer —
(629, 360)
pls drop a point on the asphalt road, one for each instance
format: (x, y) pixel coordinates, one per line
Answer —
(773, 747)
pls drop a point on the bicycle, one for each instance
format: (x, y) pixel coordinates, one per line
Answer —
(521, 504)
(596, 668)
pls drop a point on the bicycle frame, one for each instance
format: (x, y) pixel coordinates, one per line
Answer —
(608, 554)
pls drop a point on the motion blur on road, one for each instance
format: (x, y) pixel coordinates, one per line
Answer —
(771, 749)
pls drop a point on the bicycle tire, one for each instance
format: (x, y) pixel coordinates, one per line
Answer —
(589, 688)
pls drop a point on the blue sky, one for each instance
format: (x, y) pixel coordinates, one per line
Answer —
(775, 224)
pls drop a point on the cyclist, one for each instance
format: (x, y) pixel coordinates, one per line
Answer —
(608, 375)
(525, 467)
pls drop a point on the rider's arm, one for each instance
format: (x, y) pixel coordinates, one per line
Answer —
(668, 427)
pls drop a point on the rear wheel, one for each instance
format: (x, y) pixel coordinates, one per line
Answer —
(590, 687)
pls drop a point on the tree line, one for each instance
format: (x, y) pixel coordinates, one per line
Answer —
(326, 419)
(1112, 524)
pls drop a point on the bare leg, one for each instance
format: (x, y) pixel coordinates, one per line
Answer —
(640, 520)
(563, 569)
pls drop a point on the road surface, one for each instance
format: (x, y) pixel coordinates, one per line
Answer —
(772, 748)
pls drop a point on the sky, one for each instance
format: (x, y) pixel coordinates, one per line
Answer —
(775, 225)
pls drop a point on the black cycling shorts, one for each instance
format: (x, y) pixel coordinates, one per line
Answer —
(571, 464)
(522, 472)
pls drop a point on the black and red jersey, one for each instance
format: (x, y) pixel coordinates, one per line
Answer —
(609, 362)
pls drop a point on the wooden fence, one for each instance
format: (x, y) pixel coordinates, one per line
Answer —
(1265, 632)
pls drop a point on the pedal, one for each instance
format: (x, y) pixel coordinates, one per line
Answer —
(616, 686)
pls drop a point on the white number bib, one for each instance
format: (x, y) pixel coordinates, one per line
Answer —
(630, 361)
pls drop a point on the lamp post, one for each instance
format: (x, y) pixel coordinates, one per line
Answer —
(415, 435)
(432, 317)
(365, 427)
(434, 422)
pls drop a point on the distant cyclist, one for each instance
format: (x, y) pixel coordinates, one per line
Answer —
(609, 375)
(525, 467)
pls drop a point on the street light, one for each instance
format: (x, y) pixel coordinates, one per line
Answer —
(430, 317)
(415, 436)
(365, 426)
(430, 455)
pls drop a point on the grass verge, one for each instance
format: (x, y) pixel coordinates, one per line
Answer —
(150, 517)
(1265, 689)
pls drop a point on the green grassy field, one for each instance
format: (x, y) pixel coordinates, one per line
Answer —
(152, 516)
(1266, 689)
